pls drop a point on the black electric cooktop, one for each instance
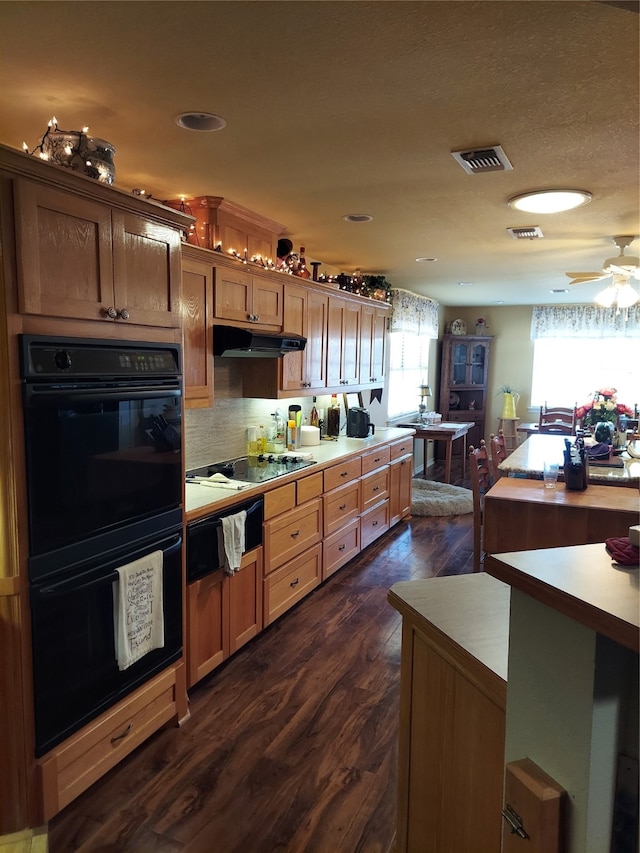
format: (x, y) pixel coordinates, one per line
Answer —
(253, 469)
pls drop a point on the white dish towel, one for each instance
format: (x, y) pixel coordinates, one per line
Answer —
(233, 535)
(138, 614)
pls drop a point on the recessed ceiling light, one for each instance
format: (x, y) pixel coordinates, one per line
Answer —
(465, 283)
(499, 302)
(550, 201)
(204, 122)
(357, 217)
(425, 260)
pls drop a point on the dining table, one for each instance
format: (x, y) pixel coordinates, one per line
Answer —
(527, 462)
(447, 431)
(522, 514)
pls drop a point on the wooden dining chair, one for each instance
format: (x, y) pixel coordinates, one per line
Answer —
(557, 415)
(480, 485)
(556, 428)
(499, 452)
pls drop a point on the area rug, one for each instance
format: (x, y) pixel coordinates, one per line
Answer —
(431, 498)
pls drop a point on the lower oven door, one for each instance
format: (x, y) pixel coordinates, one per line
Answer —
(205, 542)
(76, 675)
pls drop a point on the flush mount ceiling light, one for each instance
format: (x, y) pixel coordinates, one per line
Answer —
(426, 260)
(204, 122)
(619, 294)
(357, 217)
(550, 201)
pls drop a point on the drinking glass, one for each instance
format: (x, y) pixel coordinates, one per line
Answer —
(550, 475)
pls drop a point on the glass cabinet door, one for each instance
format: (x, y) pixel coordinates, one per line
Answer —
(459, 363)
(477, 366)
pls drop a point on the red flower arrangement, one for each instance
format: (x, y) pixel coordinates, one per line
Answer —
(603, 407)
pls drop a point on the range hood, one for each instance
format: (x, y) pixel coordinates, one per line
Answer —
(231, 342)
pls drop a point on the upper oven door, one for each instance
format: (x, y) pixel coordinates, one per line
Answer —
(99, 458)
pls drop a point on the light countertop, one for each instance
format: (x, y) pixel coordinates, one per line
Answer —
(202, 499)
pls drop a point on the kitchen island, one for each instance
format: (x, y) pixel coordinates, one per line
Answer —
(569, 622)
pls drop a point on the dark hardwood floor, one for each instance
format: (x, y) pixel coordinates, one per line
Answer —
(292, 744)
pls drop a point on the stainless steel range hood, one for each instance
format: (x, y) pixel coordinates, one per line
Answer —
(231, 342)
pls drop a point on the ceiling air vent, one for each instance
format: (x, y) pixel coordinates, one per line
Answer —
(530, 232)
(492, 159)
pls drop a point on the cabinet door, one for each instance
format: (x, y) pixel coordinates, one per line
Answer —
(459, 363)
(267, 306)
(373, 330)
(64, 253)
(343, 342)
(233, 295)
(207, 621)
(479, 363)
(315, 351)
(245, 601)
(197, 316)
(400, 477)
(147, 264)
(294, 323)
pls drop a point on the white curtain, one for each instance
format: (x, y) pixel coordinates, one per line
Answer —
(413, 313)
(584, 321)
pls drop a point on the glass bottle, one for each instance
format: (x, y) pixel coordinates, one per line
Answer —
(333, 417)
(314, 417)
(302, 271)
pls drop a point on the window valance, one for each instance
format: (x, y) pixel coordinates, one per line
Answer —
(584, 321)
(413, 313)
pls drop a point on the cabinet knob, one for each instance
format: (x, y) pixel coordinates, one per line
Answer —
(111, 312)
(123, 314)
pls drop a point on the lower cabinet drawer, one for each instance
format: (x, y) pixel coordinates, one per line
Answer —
(340, 548)
(290, 583)
(340, 507)
(375, 488)
(69, 769)
(374, 523)
(291, 534)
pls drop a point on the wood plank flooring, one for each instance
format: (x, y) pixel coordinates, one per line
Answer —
(292, 744)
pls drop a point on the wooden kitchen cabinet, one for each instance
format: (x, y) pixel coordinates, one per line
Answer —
(80, 258)
(452, 713)
(343, 355)
(290, 583)
(223, 613)
(400, 477)
(463, 383)
(243, 298)
(373, 335)
(197, 335)
(305, 314)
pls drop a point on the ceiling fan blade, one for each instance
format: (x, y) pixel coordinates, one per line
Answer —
(584, 278)
(590, 275)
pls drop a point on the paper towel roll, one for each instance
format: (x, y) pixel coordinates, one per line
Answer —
(309, 435)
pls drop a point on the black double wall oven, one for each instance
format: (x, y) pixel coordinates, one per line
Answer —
(104, 488)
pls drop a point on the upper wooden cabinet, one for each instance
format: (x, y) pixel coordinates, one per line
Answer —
(248, 299)
(197, 325)
(82, 259)
(343, 357)
(373, 334)
(305, 314)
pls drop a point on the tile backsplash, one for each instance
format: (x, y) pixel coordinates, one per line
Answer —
(219, 433)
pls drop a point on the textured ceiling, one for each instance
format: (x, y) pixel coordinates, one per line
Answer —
(355, 107)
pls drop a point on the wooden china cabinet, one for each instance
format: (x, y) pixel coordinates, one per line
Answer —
(463, 382)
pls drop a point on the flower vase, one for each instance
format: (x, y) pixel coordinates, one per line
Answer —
(603, 432)
(509, 403)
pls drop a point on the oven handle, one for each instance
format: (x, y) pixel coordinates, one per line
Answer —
(34, 395)
(73, 586)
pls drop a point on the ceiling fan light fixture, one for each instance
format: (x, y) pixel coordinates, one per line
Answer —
(550, 201)
(606, 297)
(627, 296)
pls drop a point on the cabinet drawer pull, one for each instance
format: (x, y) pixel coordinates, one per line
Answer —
(375, 524)
(295, 582)
(377, 459)
(295, 533)
(341, 547)
(116, 738)
(376, 488)
(342, 507)
(344, 474)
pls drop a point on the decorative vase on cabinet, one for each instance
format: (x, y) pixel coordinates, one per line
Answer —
(604, 431)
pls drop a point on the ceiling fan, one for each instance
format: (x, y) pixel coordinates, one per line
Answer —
(622, 266)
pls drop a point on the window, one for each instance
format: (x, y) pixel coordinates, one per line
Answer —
(569, 370)
(408, 363)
